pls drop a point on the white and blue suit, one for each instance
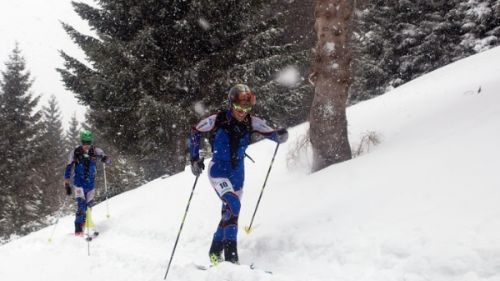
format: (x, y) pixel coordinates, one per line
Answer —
(82, 167)
(226, 170)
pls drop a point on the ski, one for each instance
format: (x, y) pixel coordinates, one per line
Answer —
(250, 266)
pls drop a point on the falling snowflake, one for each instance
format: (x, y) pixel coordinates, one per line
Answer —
(289, 77)
(204, 23)
(199, 108)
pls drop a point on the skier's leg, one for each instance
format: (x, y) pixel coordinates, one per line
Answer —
(220, 186)
(230, 226)
(216, 248)
(232, 198)
(81, 203)
(89, 197)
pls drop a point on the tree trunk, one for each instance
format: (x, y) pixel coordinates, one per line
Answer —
(331, 77)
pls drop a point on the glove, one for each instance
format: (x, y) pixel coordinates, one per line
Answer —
(105, 159)
(67, 187)
(197, 166)
(282, 135)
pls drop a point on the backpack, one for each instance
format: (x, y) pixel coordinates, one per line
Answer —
(79, 157)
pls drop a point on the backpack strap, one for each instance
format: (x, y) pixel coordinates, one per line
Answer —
(78, 153)
(92, 152)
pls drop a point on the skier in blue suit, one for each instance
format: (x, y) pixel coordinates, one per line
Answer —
(82, 160)
(232, 129)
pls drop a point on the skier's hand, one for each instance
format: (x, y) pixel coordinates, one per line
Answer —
(106, 160)
(197, 166)
(282, 135)
(67, 186)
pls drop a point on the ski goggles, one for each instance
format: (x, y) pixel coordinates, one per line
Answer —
(246, 97)
(242, 108)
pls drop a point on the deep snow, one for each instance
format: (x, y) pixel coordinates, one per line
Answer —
(422, 205)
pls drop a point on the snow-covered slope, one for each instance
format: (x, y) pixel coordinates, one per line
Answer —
(422, 205)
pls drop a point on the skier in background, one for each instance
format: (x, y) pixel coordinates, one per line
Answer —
(232, 131)
(82, 165)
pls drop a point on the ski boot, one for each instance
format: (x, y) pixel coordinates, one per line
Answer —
(215, 252)
(78, 229)
(231, 251)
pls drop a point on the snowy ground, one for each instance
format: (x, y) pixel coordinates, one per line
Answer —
(422, 205)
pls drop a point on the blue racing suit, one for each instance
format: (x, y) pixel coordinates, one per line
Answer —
(226, 170)
(83, 165)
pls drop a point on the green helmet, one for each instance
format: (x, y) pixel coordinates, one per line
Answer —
(86, 136)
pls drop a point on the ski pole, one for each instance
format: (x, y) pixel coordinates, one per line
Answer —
(249, 228)
(106, 190)
(182, 224)
(248, 156)
(57, 221)
(87, 226)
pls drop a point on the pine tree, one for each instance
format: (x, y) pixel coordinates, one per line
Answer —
(154, 59)
(401, 40)
(122, 175)
(73, 133)
(53, 158)
(134, 64)
(72, 140)
(7, 196)
(256, 58)
(480, 24)
(398, 41)
(21, 190)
